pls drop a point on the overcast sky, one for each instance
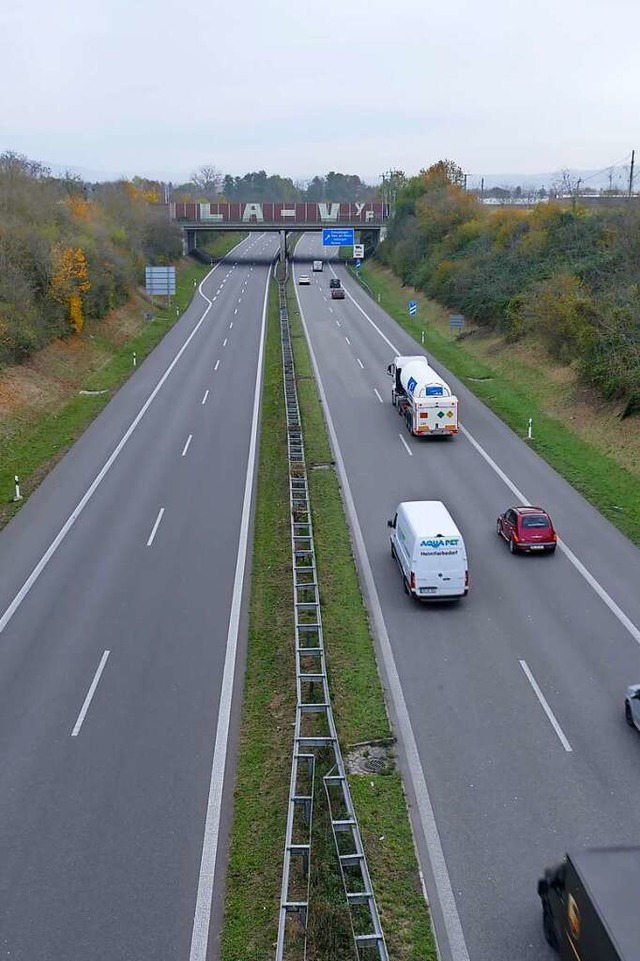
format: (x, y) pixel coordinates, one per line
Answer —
(126, 87)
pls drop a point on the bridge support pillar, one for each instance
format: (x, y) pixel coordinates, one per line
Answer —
(283, 246)
(189, 241)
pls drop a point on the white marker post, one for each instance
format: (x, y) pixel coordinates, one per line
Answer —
(18, 495)
(529, 432)
(422, 337)
(135, 359)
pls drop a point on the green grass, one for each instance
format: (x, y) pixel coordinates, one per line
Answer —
(264, 760)
(610, 487)
(31, 444)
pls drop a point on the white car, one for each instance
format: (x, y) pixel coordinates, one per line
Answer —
(632, 706)
(304, 279)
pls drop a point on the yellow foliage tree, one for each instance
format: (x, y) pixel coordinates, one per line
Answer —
(79, 207)
(70, 281)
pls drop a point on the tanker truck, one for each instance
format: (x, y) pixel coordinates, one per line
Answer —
(422, 398)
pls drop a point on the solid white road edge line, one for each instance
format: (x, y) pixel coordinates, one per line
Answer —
(442, 881)
(155, 527)
(545, 706)
(604, 596)
(186, 446)
(202, 916)
(408, 449)
(90, 693)
(82, 503)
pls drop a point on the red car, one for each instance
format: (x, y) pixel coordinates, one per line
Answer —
(527, 529)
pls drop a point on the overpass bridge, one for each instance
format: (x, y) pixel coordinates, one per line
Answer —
(197, 218)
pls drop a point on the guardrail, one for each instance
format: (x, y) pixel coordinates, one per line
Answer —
(314, 727)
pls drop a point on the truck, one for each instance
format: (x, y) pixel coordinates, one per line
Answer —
(590, 905)
(422, 398)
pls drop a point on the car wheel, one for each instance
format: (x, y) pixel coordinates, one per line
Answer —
(498, 529)
(512, 546)
(552, 550)
(628, 715)
(549, 929)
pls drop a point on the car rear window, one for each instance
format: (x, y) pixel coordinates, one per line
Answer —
(535, 520)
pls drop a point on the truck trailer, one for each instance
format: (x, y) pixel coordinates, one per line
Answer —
(422, 398)
(591, 905)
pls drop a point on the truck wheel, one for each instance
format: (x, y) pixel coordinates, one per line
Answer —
(549, 929)
(408, 423)
(393, 397)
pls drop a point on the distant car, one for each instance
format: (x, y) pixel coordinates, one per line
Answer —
(304, 279)
(337, 293)
(317, 265)
(632, 706)
(334, 283)
(527, 529)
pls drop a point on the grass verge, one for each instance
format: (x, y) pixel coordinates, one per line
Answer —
(264, 761)
(32, 442)
(612, 488)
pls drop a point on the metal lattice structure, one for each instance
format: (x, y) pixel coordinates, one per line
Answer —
(314, 727)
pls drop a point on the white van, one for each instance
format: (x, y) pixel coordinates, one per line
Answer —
(430, 551)
(317, 265)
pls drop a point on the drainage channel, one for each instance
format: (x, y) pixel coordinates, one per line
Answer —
(314, 728)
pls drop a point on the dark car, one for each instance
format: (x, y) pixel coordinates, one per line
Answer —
(632, 706)
(334, 283)
(337, 293)
(527, 529)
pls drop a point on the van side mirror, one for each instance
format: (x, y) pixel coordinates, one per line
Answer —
(390, 370)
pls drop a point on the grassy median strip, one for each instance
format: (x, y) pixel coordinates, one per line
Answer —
(32, 441)
(515, 392)
(264, 761)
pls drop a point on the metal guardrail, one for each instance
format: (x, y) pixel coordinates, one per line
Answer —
(314, 727)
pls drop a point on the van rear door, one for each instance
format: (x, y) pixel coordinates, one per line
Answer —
(440, 568)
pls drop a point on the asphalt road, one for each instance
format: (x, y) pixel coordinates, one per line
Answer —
(508, 705)
(121, 593)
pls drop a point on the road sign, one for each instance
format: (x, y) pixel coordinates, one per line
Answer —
(337, 236)
(358, 264)
(456, 320)
(358, 251)
(160, 280)
(413, 307)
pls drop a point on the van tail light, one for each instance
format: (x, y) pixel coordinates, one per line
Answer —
(466, 579)
(412, 583)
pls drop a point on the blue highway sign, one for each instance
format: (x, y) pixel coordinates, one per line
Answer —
(338, 236)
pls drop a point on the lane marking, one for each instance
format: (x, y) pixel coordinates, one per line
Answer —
(90, 693)
(602, 593)
(84, 500)
(424, 808)
(236, 311)
(378, 395)
(330, 310)
(239, 299)
(348, 341)
(231, 326)
(204, 899)
(409, 451)
(206, 394)
(217, 365)
(186, 446)
(360, 362)
(224, 342)
(155, 527)
(545, 706)
(338, 323)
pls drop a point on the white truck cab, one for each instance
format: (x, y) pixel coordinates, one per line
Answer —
(430, 551)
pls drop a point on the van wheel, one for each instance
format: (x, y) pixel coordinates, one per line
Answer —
(393, 552)
(549, 929)
(628, 715)
(512, 546)
(407, 589)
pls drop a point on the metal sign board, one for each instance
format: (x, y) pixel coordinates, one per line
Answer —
(338, 236)
(456, 320)
(160, 281)
(358, 251)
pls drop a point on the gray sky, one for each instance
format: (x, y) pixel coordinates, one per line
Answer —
(125, 87)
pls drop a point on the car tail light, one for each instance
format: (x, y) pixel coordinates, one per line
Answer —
(412, 583)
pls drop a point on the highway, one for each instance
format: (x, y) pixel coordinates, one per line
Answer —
(508, 705)
(121, 644)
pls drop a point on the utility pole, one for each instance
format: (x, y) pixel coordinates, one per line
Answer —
(482, 189)
(633, 160)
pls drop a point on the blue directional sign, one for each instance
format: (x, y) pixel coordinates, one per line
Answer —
(338, 236)
(413, 307)
(456, 320)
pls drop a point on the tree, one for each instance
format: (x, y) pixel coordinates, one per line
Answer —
(207, 179)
